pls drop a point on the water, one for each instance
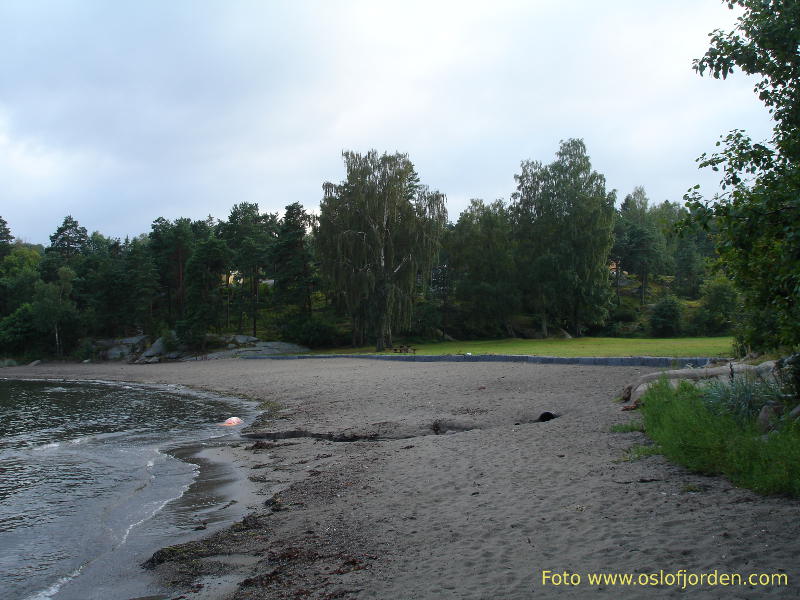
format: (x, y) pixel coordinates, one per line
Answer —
(91, 483)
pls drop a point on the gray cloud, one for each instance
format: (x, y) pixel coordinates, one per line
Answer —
(121, 112)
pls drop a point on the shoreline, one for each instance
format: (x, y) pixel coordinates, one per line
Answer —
(432, 480)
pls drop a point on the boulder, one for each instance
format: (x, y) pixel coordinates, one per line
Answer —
(158, 348)
(117, 352)
(34, 363)
(241, 340)
(135, 341)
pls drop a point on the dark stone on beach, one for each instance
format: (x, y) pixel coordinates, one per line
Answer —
(546, 416)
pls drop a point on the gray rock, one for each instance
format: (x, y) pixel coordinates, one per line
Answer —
(34, 363)
(117, 352)
(137, 340)
(244, 339)
(795, 412)
(158, 348)
(231, 346)
(87, 361)
(280, 348)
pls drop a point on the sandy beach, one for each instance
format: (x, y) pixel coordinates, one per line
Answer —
(398, 480)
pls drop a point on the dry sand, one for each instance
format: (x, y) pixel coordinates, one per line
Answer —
(441, 484)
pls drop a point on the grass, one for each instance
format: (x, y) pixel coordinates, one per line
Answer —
(639, 451)
(587, 346)
(628, 427)
(693, 433)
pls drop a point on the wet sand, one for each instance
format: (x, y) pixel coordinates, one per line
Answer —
(436, 480)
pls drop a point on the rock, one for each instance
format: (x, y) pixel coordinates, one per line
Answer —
(117, 352)
(8, 362)
(244, 339)
(766, 418)
(135, 341)
(560, 333)
(87, 361)
(158, 348)
(280, 348)
(34, 363)
(231, 346)
(173, 355)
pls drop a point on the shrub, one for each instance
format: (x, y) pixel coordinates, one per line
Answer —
(742, 397)
(717, 307)
(313, 332)
(665, 320)
(698, 434)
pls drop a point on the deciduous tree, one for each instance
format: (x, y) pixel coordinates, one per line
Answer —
(377, 237)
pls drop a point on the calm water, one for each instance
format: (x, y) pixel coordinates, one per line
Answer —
(90, 484)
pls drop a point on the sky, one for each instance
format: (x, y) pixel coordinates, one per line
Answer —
(118, 113)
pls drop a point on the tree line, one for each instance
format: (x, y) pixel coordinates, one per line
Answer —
(380, 261)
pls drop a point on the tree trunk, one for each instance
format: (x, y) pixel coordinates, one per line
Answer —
(255, 304)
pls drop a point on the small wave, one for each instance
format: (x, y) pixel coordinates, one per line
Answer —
(55, 389)
(47, 446)
(53, 589)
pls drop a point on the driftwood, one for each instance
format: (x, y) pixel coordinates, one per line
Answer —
(633, 392)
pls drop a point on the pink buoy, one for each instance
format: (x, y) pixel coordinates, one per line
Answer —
(231, 422)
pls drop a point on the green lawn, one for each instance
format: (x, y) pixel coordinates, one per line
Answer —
(716, 346)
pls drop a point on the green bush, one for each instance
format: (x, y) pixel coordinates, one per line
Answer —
(313, 332)
(717, 307)
(665, 320)
(708, 440)
(742, 397)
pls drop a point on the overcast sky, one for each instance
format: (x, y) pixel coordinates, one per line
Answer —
(121, 112)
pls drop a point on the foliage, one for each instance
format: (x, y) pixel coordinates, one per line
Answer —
(249, 234)
(563, 220)
(314, 332)
(482, 267)
(377, 237)
(205, 273)
(741, 397)
(6, 239)
(758, 216)
(718, 303)
(665, 318)
(291, 260)
(692, 433)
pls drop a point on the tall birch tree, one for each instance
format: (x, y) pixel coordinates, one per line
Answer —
(377, 237)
